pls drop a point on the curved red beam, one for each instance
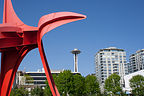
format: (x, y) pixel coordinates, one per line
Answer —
(17, 39)
(47, 23)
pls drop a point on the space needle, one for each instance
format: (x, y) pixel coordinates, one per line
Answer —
(75, 52)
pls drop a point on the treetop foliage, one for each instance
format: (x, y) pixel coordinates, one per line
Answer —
(112, 84)
(137, 85)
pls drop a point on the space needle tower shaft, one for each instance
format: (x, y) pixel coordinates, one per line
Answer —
(75, 52)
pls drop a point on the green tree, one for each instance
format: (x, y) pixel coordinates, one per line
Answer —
(78, 84)
(64, 83)
(92, 86)
(19, 92)
(38, 91)
(112, 85)
(137, 85)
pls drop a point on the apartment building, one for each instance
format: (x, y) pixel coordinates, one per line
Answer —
(136, 61)
(108, 61)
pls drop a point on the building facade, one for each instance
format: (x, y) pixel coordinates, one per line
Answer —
(108, 61)
(136, 61)
(30, 80)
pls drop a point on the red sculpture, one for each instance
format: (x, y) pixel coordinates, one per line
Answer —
(17, 39)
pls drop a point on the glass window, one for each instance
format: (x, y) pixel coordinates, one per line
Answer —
(104, 64)
(113, 50)
(108, 58)
(113, 61)
(104, 58)
(106, 50)
(104, 61)
(109, 62)
(116, 56)
(105, 70)
(104, 67)
(112, 53)
(36, 74)
(116, 59)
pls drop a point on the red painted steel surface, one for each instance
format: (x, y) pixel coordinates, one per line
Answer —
(17, 39)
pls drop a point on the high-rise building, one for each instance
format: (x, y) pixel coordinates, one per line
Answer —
(108, 61)
(136, 61)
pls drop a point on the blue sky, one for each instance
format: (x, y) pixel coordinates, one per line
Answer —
(118, 23)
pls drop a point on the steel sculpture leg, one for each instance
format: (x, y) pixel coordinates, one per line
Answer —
(47, 70)
(9, 65)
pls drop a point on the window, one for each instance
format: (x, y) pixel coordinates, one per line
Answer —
(109, 62)
(108, 58)
(104, 64)
(113, 61)
(116, 56)
(115, 70)
(116, 59)
(113, 50)
(124, 61)
(112, 53)
(114, 66)
(106, 50)
(109, 67)
(104, 61)
(104, 70)
(36, 74)
(104, 67)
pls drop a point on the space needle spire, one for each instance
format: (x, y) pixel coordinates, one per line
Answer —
(75, 52)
